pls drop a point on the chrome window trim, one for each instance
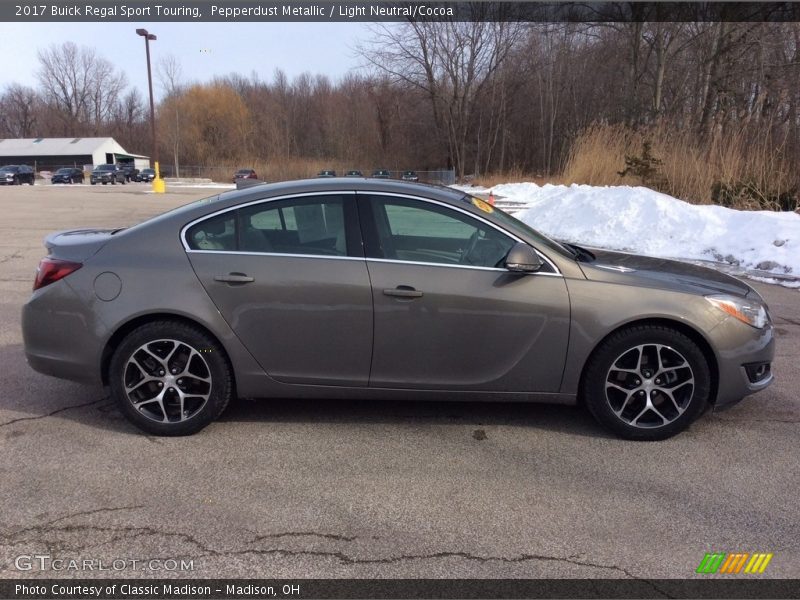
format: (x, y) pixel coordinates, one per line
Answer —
(251, 203)
(556, 270)
(449, 266)
(277, 254)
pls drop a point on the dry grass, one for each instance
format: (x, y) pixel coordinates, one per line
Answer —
(744, 157)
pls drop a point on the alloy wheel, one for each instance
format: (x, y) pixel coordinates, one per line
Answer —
(649, 385)
(167, 380)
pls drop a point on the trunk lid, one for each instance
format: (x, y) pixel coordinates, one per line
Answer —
(77, 244)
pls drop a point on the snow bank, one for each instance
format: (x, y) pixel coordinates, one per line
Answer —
(638, 219)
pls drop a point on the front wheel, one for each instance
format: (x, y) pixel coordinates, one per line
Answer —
(647, 383)
(170, 378)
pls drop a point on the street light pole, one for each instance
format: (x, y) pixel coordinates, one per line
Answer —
(158, 183)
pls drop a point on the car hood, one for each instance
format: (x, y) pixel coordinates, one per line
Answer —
(637, 270)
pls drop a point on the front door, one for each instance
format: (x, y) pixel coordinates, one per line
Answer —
(447, 314)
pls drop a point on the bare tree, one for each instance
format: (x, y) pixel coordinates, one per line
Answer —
(19, 107)
(82, 87)
(170, 74)
(452, 62)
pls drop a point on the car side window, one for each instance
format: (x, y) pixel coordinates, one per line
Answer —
(417, 231)
(216, 233)
(312, 225)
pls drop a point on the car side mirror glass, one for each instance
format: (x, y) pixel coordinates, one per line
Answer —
(523, 259)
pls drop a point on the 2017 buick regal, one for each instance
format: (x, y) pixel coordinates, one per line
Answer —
(382, 289)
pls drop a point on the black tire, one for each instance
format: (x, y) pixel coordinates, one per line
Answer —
(93, 182)
(690, 388)
(209, 356)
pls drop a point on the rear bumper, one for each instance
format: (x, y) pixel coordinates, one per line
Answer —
(58, 337)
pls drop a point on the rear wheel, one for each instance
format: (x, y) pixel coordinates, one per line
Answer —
(647, 383)
(170, 378)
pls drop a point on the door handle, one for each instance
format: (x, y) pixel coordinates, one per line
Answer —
(234, 278)
(402, 291)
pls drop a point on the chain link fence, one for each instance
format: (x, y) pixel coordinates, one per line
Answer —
(225, 174)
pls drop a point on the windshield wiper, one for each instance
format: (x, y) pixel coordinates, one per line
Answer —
(580, 253)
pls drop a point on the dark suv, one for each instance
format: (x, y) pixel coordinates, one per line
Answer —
(146, 175)
(129, 170)
(107, 174)
(67, 175)
(16, 175)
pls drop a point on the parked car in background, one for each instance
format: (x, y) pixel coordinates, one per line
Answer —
(244, 174)
(327, 173)
(67, 175)
(107, 174)
(146, 175)
(129, 170)
(383, 290)
(381, 174)
(354, 173)
(410, 176)
(16, 175)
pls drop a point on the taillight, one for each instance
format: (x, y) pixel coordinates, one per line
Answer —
(52, 269)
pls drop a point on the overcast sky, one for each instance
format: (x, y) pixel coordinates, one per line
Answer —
(203, 49)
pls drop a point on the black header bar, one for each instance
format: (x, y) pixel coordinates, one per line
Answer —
(202, 589)
(138, 11)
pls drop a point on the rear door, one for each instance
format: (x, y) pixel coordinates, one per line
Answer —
(290, 278)
(447, 314)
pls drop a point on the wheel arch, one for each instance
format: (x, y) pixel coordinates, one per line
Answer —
(124, 329)
(681, 327)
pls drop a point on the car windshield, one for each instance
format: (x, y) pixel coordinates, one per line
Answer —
(148, 170)
(243, 171)
(63, 171)
(9, 168)
(514, 223)
(105, 168)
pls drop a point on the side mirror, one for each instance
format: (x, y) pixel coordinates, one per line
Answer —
(523, 259)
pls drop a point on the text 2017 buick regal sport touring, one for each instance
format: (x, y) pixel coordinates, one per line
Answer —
(385, 290)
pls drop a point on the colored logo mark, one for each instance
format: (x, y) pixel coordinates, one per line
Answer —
(735, 562)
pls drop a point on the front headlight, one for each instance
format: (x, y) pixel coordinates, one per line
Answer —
(748, 311)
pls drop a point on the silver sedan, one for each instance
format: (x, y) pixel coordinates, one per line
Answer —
(367, 288)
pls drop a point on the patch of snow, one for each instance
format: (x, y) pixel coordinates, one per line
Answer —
(640, 220)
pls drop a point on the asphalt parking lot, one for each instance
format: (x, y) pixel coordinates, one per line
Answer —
(322, 489)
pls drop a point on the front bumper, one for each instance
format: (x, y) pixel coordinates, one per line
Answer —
(741, 350)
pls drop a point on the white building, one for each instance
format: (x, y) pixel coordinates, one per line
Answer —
(49, 154)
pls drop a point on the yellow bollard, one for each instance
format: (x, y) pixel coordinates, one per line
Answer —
(159, 185)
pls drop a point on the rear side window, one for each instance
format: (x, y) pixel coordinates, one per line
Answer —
(304, 226)
(216, 233)
(301, 226)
